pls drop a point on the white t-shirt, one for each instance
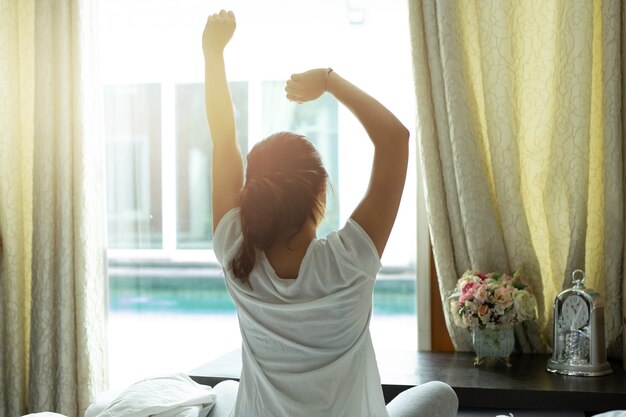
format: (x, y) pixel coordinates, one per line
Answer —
(306, 344)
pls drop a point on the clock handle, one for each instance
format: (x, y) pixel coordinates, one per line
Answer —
(579, 282)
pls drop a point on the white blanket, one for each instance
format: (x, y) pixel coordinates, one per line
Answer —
(174, 395)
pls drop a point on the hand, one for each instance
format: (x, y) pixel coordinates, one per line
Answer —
(218, 31)
(307, 86)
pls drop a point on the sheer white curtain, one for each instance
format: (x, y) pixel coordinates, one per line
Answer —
(521, 141)
(277, 112)
(52, 220)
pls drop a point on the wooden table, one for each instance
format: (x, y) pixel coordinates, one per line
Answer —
(525, 385)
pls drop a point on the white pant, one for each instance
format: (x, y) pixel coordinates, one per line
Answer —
(432, 399)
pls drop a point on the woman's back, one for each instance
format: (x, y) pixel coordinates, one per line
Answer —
(306, 348)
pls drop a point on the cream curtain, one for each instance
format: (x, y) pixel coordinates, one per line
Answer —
(520, 136)
(52, 261)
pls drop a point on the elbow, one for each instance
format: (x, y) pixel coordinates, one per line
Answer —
(403, 134)
(402, 140)
(397, 134)
(394, 138)
(396, 144)
(400, 137)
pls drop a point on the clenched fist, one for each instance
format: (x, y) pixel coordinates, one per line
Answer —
(308, 85)
(218, 31)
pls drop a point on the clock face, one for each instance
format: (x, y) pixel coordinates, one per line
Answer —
(574, 312)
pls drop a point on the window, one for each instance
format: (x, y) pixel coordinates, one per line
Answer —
(193, 167)
(169, 309)
(133, 135)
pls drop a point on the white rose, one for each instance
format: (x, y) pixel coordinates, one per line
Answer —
(465, 320)
(525, 305)
(456, 317)
(501, 309)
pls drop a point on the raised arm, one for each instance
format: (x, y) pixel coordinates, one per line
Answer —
(376, 213)
(227, 162)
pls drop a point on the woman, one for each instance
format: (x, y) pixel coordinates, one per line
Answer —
(304, 303)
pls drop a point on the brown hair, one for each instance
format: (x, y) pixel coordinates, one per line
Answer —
(284, 177)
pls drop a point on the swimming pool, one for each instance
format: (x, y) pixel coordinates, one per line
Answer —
(200, 289)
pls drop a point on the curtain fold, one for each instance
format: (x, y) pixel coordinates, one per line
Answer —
(16, 145)
(520, 136)
(52, 218)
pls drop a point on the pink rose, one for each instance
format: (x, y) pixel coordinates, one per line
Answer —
(504, 295)
(484, 313)
(481, 294)
(468, 288)
(483, 310)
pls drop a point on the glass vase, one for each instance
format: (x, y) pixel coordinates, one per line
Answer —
(493, 343)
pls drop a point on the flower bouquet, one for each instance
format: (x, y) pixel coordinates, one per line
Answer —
(489, 305)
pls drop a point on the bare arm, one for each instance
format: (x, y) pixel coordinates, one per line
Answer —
(227, 162)
(376, 213)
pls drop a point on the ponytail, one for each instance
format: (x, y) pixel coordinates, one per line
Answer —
(244, 260)
(284, 177)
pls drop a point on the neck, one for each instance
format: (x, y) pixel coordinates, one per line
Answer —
(298, 240)
(286, 254)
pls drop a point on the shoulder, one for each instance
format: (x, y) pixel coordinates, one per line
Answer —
(352, 247)
(227, 236)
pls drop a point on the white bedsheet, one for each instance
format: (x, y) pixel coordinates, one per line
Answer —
(174, 395)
